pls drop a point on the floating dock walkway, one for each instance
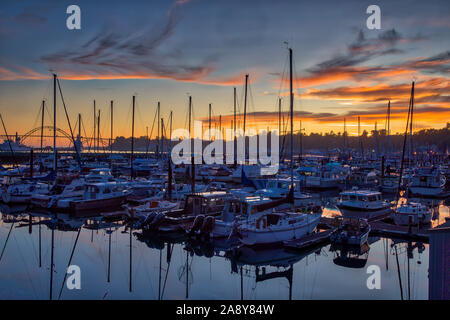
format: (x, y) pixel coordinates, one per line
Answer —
(378, 228)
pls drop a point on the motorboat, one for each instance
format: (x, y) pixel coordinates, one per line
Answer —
(362, 203)
(427, 182)
(276, 227)
(351, 231)
(411, 213)
(97, 197)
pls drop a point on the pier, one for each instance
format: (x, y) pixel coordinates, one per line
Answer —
(378, 227)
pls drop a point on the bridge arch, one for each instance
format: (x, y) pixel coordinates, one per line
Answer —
(38, 129)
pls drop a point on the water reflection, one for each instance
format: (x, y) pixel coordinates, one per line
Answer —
(118, 262)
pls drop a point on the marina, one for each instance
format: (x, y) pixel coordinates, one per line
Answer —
(244, 153)
(144, 204)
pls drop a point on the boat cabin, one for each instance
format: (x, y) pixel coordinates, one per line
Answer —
(360, 196)
(205, 202)
(244, 207)
(102, 190)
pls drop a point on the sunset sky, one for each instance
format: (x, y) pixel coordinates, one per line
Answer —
(167, 50)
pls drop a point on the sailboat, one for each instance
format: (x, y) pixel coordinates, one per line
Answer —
(408, 212)
(276, 227)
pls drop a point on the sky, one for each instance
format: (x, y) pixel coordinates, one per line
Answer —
(168, 50)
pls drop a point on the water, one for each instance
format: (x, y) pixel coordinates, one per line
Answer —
(205, 274)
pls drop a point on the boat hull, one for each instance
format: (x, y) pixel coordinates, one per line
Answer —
(428, 192)
(16, 198)
(363, 213)
(273, 236)
(403, 219)
(97, 205)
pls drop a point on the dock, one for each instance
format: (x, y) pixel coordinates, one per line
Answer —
(380, 228)
(321, 237)
(377, 225)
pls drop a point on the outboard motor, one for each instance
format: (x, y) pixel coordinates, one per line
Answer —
(144, 221)
(208, 225)
(156, 221)
(198, 223)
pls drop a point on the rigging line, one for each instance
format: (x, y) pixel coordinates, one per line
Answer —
(153, 125)
(85, 135)
(6, 241)
(139, 117)
(38, 116)
(70, 126)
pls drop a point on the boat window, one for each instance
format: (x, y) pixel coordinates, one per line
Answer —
(352, 197)
(373, 198)
(107, 190)
(362, 198)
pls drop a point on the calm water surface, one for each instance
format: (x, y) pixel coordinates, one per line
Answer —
(175, 269)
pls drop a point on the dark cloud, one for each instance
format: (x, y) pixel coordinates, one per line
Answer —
(131, 54)
(364, 49)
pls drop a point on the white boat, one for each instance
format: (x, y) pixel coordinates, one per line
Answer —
(276, 227)
(351, 231)
(279, 188)
(362, 203)
(155, 206)
(389, 183)
(236, 210)
(97, 197)
(427, 182)
(74, 189)
(411, 213)
(17, 191)
(99, 175)
(329, 176)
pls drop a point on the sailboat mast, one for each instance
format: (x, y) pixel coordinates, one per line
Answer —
(291, 106)
(209, 125)
(42, 125)
(404, 142)
(98, 131)
(170, 130)
(79, 126)
(132, 140)
(192, 152)
(301, 141)
(388, 129)
(162, 137)
(95, 121)
(157, 120)
(234, 126)
(54, 123)
(411, 126)
(245, 101)
(111, 134)
(190, 110)
(345, 136)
